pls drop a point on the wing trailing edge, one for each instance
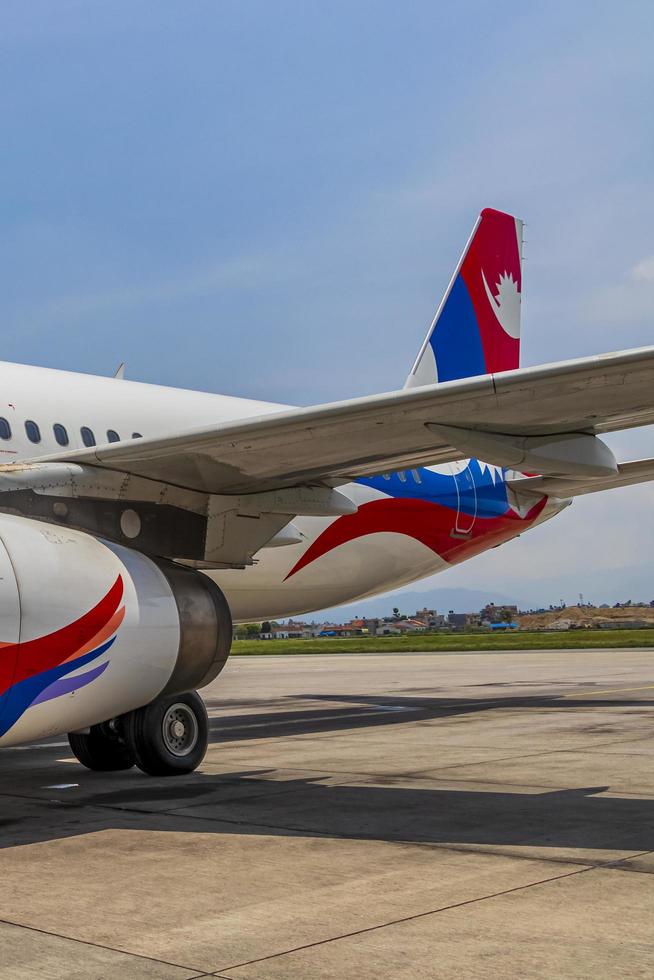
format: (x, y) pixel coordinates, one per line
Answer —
(628, 475)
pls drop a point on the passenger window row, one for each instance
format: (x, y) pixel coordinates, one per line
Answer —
(60, 433)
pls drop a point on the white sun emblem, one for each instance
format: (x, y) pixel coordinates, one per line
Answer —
(506, 305)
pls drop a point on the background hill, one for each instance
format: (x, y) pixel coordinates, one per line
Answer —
(583, 616)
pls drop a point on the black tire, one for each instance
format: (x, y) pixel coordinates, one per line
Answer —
(169, 737)
(101, 750)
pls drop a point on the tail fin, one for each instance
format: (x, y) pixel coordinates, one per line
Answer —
(476, 329)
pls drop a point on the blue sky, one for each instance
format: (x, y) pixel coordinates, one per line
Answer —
(267, 199)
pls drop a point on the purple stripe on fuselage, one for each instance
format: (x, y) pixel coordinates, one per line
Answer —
(67, 684)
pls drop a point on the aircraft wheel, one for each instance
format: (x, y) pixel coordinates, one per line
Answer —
(169, 737)
(101, 750)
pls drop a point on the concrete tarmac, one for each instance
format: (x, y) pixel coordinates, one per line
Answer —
(408, 816)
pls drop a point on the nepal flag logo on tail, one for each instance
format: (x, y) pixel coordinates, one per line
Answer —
(477, 330)
(492, 273)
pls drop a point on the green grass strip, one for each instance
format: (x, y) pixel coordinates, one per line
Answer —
(451, 643)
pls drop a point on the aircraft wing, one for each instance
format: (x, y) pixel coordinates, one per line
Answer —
(638, 471)
(335, 443)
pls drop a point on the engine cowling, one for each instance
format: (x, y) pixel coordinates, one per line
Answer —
(90, 629)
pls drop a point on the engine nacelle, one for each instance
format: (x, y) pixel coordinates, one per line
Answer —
(90, 630)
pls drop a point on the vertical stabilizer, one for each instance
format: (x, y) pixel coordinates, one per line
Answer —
(476, 329)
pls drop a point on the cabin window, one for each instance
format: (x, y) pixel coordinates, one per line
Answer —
(87, 436)
(112, 436)
(5, 429)
(60, 434)
(33, 431)
(136, 435)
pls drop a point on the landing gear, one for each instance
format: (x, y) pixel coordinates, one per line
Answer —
(102, 749)
(169, 736)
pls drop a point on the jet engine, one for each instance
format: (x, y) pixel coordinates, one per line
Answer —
(92, 632)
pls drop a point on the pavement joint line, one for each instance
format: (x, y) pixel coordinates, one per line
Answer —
(410, 918)
(407, 774)
(348, 716)
(616, 751)
(174, 810)
(622, 861)
(526, 755)
(547, 787)
(70, 804)
(254, 796)
(545, 859)
(245, 823)
(112, 949)
(615, 690)
(340, 734)
(349, 772)
(631, 871)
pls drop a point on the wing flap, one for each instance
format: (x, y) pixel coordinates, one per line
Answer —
(341, 441)
(629, 474)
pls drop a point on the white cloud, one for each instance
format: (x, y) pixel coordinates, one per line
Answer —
(643, 271)
(626, 301)
(234, 273)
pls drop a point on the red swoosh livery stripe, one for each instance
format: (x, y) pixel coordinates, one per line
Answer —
(427, 522)
(45, 652)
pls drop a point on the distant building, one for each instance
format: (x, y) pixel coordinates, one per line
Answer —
(355, 627)
(290, 631)
(498, 614)
(402, 626)
(461, 620)
(624, 624)
(430, 618)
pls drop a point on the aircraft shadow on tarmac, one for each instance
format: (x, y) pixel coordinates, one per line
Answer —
(264, 802)
(374, 711)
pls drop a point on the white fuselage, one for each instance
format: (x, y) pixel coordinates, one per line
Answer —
(64, 402)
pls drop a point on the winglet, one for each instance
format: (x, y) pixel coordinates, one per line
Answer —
(476, 329)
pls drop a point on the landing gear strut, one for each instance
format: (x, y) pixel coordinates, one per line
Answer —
(165, 738)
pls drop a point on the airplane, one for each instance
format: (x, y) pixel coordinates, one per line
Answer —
(137, 521)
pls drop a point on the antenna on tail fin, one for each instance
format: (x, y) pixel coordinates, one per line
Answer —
(476, 329)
